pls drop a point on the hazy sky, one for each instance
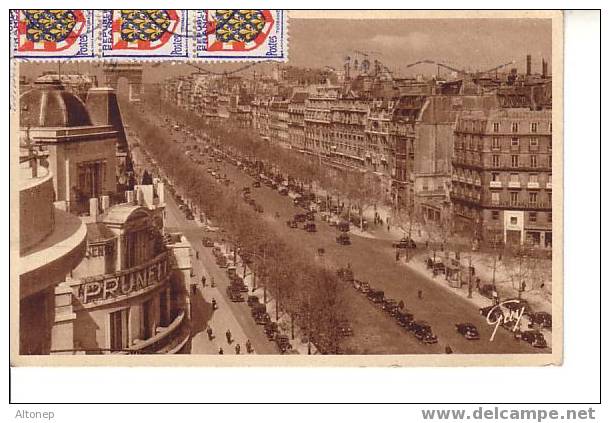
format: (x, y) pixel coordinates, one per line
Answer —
(474, 44)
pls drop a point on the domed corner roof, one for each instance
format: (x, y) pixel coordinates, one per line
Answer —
(48, 105)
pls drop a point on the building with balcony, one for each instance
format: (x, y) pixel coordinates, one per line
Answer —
(296, 120)
(348, 117)
(126, 296)
(318, 125)
(402, 136)
(97, 274)
(502, 175)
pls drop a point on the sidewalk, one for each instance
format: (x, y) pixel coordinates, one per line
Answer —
(539, 295)
(417, 263)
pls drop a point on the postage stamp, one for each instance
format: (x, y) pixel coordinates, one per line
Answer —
(241, 34)
(158, 33)
(52, 34)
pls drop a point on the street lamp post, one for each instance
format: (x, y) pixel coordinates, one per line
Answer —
(470, 276)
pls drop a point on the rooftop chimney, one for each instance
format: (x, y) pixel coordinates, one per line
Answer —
(528, 69)
(104, 110)
(545, 68)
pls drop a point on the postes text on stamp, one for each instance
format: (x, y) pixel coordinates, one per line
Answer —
(231, 34)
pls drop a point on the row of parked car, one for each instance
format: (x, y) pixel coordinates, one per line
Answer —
(272, 331)
(396, 309)
(236, 290)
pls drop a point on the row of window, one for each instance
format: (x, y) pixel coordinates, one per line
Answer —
(479, 126)
(517, 161)
(514, 127)
(514, 177)
(514, 197)
(532, 217)
(496, 143)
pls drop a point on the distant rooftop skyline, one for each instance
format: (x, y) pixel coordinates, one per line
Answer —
(473, 44)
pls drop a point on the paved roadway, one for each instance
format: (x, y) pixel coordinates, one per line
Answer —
(373, 261)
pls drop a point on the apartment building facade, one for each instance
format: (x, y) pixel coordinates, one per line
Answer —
(502, 175)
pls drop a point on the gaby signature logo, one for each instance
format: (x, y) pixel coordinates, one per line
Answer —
(495, 316)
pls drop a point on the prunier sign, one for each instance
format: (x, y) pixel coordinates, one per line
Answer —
(123, 283)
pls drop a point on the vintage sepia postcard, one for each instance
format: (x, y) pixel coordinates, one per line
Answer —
(286, 188)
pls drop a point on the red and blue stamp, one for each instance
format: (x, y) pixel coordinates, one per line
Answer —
(209, 35)
(52, 33)
(246, 34)
(145, 33)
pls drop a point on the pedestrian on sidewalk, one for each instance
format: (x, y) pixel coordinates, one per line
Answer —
(397, 255)
(220, 351)
(237, 349)
(210, 333)
(212, 284)
(203, 280)
(228, 335)
(249, 347)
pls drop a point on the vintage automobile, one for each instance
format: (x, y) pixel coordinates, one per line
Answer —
(542, 318)
(207, 242)
(238, 284)
(309, 227)
(261, 317)
(234, 295)
(283, 343)
(420, 325)
(375, 296)
(426, 337)
(346, 274)
(343, 239)
(364, 287)
(271, 328)
(252, 300)
(403, 318)
(344, 328)
(389, 305)
(343, 226)
(256, 184)
(283, 190)
(534, 338)
(468, 330)
(221, 261)
(487, 290)
(258, 309)
(300, 217)
(404, 242)
(492, 312)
